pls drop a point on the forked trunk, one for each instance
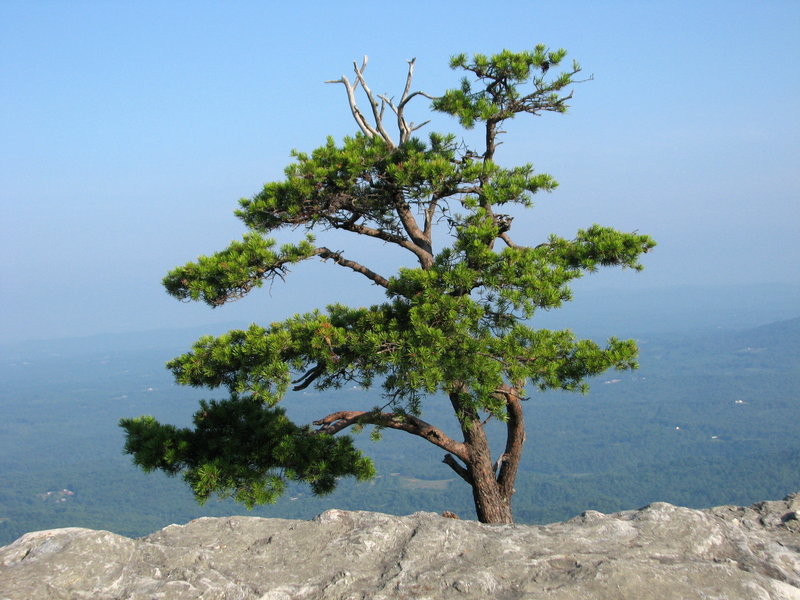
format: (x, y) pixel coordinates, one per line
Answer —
(492, 483)
(491, 505)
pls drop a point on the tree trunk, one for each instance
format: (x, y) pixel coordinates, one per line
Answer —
(490, 505)
(492, 484)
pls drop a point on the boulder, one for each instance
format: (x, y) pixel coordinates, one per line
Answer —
(659, 552)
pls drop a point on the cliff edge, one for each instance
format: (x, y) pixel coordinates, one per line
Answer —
(659, 552)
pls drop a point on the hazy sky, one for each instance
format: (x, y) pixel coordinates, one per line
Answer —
(129, 130)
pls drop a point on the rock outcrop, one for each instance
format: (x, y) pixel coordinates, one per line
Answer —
(660, 552)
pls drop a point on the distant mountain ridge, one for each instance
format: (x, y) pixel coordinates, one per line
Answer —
(786, 333)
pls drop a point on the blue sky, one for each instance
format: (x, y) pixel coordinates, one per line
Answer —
(129, 130)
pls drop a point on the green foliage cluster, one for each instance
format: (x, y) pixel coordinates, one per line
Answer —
(234, 446)
(233, 272)
(499, 80)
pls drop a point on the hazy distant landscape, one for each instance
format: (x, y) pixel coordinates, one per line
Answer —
(711, 417)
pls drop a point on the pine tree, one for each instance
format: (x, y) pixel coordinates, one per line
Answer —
(456, 328)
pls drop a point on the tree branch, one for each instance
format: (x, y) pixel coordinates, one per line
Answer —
(430, 213)
(504, 236)
(460, 470)
(423, 255)
(337, 257)
(377, 113)
(406, 129)
(308, 377)
(381, 234)
(335, 422)
(515, 427)
(365, 127)
(420, 239)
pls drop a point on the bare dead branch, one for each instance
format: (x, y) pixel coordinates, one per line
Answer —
(377, 111)
(361, 121)
(378, 108)
(405, 128)
(417, 93)
(420, 126)
(409, 77)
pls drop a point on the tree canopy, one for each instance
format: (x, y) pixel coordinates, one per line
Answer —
(456, 326)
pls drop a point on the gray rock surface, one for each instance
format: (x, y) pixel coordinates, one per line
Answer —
(660, 552)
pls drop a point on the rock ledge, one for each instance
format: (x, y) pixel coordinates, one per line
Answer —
(659, 552)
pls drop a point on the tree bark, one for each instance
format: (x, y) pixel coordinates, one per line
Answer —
(515, 439)
(492, 501)
(491, 506)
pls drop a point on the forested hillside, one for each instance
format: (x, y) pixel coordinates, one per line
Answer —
(711, 417)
